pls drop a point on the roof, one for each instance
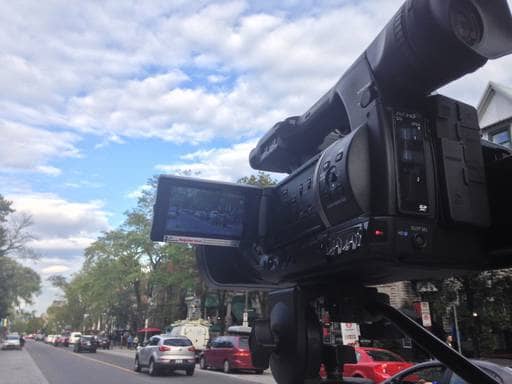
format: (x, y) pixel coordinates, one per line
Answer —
(492, 89)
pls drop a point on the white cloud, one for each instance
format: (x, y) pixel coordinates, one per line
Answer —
(25, 148)
(54, 269)
(48, 170)
(61, 228)
(137, 192)
(129, 70)
(228, 164)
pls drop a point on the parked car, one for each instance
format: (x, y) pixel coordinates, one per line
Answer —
(85, 343)
(228, 353)
(166, 353)
(103, 342)
(50, 339)
(74, 337)
(62, 340)
(435, 372)
(11, 341)
(375, 364)
(40, 337)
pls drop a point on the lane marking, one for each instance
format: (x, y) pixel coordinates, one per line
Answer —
(105, 363)
(97, 361)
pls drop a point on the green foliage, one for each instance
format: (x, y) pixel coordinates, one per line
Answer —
(128, 277)
(484, 307)
(262, 179)
(17, 282)
(27, 322)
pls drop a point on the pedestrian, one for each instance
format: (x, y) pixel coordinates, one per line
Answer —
(129, 341)
(135, 341)
(22, 341)
(449, 340)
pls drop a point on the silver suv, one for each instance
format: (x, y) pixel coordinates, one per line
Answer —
(166, 353)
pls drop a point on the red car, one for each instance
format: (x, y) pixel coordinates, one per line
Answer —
(375, 364)
(62, 340)
(228, 353)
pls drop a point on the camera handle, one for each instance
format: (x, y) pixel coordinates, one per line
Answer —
(290, 340)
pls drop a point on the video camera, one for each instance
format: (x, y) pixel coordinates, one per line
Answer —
(386, 181)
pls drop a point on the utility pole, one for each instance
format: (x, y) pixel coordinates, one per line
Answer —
(457, 333)
(245, 321)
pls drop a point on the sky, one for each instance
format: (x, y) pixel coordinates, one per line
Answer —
(98, 96)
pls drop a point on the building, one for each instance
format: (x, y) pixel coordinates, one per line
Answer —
(495, 114)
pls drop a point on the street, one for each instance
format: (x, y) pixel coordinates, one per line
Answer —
(58, 365)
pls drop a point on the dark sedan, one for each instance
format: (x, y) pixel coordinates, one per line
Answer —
(86, 343)
(434, 372)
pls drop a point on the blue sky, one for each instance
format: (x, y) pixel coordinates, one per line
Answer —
(98, 96)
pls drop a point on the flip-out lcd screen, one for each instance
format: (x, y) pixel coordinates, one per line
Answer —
(195, 211)
(204, 211)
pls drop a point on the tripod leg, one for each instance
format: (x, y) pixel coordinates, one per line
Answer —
(445, 354)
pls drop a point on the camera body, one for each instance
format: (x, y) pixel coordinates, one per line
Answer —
(386, 181)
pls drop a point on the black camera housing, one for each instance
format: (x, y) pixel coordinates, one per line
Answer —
(387, 182)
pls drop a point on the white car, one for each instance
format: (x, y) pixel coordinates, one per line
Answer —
(12, 341)
(74, 337)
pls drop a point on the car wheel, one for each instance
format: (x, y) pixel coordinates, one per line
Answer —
(258, 371)
(226, 367)
(190, 372)
(202, 363)
(136, 364)
(152, 368)
(93, 351)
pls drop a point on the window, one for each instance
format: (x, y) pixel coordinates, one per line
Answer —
(383, 356)
(178, 342)
(457, 380)
(154, 341)
(423, 375)
(502, 137)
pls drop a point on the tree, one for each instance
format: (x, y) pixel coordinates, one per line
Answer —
(484, 307)
(128, 277)
(17, 282)
(262, 179)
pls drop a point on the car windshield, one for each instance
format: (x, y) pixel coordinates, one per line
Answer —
(13, 337)
(86, 338)
(178, 342)
(377, 355)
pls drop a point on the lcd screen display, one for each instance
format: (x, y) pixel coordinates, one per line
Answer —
(206, 212)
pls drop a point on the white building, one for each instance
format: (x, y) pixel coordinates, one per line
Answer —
(495, 114)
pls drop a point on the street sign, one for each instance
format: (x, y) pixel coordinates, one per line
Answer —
(350, 333)
(426, 320)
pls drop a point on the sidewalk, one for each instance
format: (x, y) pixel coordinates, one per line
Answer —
(18, 367)
(119, 352)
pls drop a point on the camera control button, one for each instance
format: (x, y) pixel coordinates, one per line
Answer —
(419, 241)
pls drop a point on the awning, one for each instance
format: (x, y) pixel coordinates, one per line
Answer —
(142, 330)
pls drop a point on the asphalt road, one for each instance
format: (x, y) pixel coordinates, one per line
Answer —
(60, 365)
